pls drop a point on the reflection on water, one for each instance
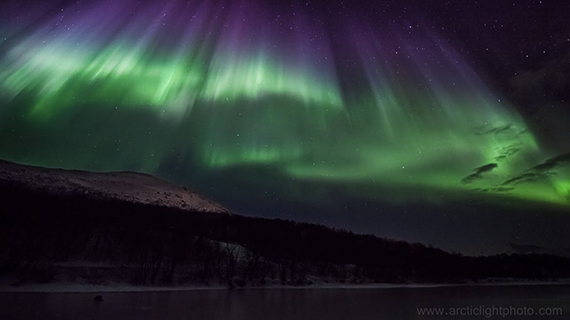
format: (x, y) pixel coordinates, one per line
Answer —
(256, 304)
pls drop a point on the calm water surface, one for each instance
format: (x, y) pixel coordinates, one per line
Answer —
(256, 304)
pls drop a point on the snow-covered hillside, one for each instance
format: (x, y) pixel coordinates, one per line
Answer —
(127, 186)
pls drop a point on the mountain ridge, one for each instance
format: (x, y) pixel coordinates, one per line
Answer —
(123, 185)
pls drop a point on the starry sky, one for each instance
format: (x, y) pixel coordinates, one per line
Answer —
(444, 122)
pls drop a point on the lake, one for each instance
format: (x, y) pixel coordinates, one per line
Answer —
(477, 302)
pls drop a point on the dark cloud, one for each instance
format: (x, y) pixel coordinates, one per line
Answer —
(497, 189)
(507, 152)
(499, 130)
(553, 163)
(540, 171)
(548, 79)
(478, 172)
(525, 177)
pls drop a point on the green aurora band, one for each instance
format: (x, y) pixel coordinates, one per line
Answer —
(411, 121)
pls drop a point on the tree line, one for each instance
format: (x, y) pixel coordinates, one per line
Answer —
(150, 244)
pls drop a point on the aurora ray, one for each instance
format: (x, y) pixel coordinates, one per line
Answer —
(120, 85)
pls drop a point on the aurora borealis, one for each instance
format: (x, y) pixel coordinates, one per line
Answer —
(265, 106)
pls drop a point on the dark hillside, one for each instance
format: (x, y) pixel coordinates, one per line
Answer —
(42, 233)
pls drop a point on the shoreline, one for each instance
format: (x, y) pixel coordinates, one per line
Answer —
(128, 288)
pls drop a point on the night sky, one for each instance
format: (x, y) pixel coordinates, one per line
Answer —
(444, 122)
